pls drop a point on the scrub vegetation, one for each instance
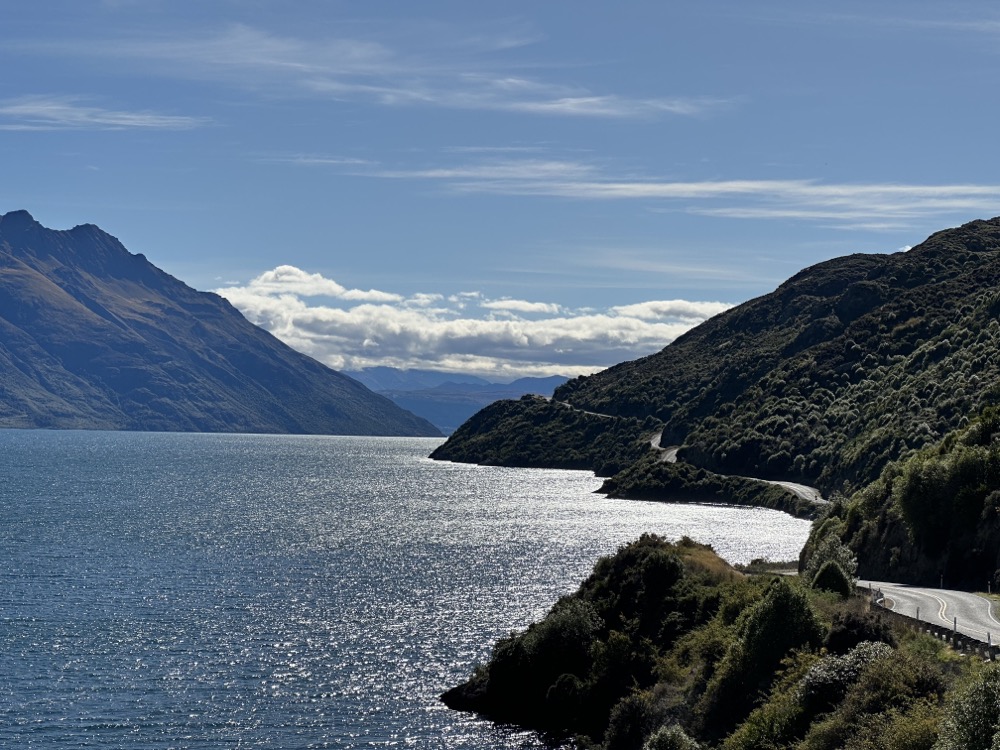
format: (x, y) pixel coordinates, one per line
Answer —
(847, 366)
(932, 517)
(666, 646)
(537, 432)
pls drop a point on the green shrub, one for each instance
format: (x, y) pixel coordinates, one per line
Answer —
(972, 717)
(631, 720)
(766, 632)
(670, 737)
(851, 628)
(831, 577)
(827, 682)
(830, 548)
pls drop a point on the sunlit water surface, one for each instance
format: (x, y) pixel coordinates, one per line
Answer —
(246, 591)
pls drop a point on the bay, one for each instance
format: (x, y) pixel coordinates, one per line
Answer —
(251, 591)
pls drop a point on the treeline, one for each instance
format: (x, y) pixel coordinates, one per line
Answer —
(653, 479)
(933, 517)
(536, 432)
(665, 646)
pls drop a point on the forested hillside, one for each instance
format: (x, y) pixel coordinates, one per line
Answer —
(848, 365)
(932, 518)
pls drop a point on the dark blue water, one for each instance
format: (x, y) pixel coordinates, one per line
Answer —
(245, 591)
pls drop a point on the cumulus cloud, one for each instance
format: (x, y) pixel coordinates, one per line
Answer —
(674, 309)
(289, 280)
(348, 329)
(521, 306)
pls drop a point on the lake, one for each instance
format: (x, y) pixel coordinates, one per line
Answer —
(253, 591)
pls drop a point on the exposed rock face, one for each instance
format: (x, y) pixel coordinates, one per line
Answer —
(94, 337)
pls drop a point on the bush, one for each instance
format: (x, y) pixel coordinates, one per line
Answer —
(631, 720)
(850, 628)
(973, 716)
(670, 738)
(830, 548)
(779, 623)
(827, 681)
(831, 577)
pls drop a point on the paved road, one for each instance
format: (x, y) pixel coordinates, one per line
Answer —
(802, 490)
(975, 613)
(668, 454)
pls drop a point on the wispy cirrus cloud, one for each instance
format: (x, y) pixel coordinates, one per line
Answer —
(40, 112)
(845, 205)
(465, 332)
(449, 68)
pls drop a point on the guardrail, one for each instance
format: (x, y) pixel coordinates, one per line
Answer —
(962, 643)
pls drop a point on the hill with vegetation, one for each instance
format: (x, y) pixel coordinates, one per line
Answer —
(848, 365)
(94, 337)
(666, 647)
(930, 518)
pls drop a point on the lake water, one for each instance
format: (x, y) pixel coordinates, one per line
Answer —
(247, 591)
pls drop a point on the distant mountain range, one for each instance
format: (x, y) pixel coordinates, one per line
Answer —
(94, 337)
(445, 399)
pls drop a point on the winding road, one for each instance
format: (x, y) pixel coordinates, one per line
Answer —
(668, 454)
(809, 494)
(976, 617)
(802, 490)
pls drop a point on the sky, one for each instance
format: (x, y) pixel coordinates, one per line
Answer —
(502, 189)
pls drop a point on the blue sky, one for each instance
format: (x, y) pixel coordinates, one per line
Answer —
(501, 188)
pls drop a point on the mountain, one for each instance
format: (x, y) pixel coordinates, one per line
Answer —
(448, 399)
(393, 379)
(846, 366)
(94, 337)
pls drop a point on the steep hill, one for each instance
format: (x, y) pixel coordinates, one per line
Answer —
(932, 518)
(93, 337)
(847, 365)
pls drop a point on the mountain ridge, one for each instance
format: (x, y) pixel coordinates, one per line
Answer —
(94, 337)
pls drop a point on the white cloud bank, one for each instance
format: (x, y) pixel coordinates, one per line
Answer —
(349, 329)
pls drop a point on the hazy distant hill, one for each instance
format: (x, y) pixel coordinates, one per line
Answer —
(94, 337)
(394, 379)
(447, 400)
(847, 365)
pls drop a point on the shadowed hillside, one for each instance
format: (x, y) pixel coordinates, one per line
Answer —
(94, 337)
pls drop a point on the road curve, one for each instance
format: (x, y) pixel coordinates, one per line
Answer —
(975, 614)
(811, 494)
(668, 455)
